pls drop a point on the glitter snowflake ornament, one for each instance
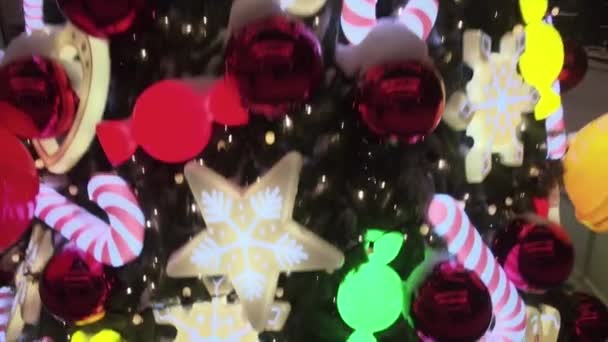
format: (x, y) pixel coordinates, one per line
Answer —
(251, 237)
(491, 108)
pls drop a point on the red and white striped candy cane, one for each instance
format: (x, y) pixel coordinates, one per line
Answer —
(450, 222)
(33, 14)
(557, 139)
(113, 244)
(7, 295)
(359, 17)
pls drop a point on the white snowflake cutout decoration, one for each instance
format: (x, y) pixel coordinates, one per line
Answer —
(491, 108)
(251, 237)
(27, 304)
(215, 321)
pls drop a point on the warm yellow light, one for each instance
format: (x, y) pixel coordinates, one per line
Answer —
(533, 10)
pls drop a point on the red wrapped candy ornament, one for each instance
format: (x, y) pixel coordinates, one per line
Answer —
(101, 18)
(452, 305)
(536, 254)
(36, 98)
(19, 186)
(74, 287)
(276, 63)
(403, 99)
(171, 122)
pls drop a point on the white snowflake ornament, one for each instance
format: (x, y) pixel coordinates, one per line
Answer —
(215, 321)
(491, 108)
(27, 305)
(251, 236)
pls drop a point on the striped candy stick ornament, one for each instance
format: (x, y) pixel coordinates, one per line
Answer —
(451, 223)
(557, 139)
(420, 16)
(7, 295)
(113, 244)
(33, 14)
(359, 18)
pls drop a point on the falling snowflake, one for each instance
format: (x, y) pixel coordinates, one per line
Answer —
(251, 237)
(495, 99)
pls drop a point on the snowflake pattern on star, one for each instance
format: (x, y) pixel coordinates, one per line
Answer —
(491, 108)
(250, 236)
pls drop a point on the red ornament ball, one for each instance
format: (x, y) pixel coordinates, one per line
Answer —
(452, 305)
(101, 18)
(536, 256)
(590, 319)
(403, 99)
(19, 186)
(276, 63)
(36, 98)
(170, 121)
(74, 287)
(575, 65)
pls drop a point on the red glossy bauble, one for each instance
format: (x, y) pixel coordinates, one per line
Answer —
(101, 18)
(536, 256)
(575, 65)
(74, 287)
(590, 322)
(19, 186)
(452, 305)
(276, 63)
(404, 99)
(36, 98)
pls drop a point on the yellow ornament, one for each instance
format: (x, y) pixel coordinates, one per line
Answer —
(105, 335)
(585, 170)
(543, 58)
(533, 10)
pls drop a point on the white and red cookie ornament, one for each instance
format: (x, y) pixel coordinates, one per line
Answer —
(113, 244)
(87, 62)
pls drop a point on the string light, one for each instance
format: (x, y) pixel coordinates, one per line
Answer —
(39, 164)
(270, 138)
(73, 190)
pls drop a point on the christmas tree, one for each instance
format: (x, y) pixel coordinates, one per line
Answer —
(293, 170)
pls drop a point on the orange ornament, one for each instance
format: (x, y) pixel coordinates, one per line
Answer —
(586, 167)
